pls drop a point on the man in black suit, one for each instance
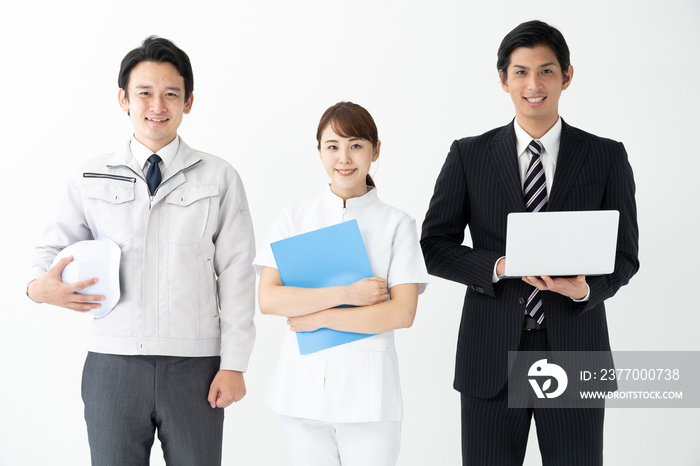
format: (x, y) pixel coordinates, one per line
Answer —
(482, 181)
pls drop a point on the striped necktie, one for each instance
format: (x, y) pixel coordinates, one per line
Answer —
(535, 191)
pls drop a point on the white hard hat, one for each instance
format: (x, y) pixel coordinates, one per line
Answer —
(94, 258)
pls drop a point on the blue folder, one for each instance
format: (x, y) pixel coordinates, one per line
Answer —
(330, 256)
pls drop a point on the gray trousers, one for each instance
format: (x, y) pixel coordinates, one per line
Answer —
(128, 398)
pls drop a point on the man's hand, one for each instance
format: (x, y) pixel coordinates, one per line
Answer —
(575, 287)
(50, 289)
(226, 388)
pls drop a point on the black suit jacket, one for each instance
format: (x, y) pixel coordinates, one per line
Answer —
(478, 186)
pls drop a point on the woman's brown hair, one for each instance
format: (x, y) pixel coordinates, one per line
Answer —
(349, 120)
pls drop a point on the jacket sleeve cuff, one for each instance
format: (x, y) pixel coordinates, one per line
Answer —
(234, 362)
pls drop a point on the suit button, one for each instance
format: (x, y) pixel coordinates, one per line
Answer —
(521, 300)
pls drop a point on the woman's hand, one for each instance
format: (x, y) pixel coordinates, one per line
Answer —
(398, 312)
(276, 299)
(307, 323)
(367, 291)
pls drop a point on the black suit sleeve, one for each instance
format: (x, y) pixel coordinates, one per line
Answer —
(618, 195)
(443, 230)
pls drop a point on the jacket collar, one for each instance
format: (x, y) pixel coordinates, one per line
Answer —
(174, 175)
(572, 153)
(123, 158)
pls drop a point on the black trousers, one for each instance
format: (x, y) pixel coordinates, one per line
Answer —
(495, 435)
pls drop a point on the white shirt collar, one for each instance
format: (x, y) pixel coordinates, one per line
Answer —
(550, 141)
(141, 153)
(365, 199)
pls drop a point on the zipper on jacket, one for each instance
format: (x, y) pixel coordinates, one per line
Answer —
(150, 201)
(174, 175)
(140, 175)
(345, 211)
(109, 176)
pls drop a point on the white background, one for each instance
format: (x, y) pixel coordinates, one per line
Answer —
(264, 73)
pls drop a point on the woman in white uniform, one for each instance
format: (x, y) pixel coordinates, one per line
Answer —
(342, 405)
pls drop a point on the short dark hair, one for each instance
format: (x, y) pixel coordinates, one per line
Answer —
(530, 35)
(158, 50)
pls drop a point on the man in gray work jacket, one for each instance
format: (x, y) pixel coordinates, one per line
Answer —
(173, 350)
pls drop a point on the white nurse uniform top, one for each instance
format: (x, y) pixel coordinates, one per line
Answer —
(357, 381)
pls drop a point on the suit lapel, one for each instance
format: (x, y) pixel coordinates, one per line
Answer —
(505, 162)
(572, 153)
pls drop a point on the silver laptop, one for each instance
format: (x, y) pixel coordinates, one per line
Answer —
(561, 243)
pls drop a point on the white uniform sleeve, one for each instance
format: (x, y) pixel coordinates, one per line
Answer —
(407, 264)
(233, 256)
(279, 230)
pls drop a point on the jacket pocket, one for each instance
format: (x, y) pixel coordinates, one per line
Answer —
(189, 213)
(192, 311)
(209, 326)
(109, 208)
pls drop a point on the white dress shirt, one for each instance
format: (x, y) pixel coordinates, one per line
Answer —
(550, 143)
(550, 152)
(141, 153)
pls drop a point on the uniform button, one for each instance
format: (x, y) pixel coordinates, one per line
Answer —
(521, 300)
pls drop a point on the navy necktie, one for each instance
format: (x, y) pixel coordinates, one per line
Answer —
(153, 176)
(535, 191)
